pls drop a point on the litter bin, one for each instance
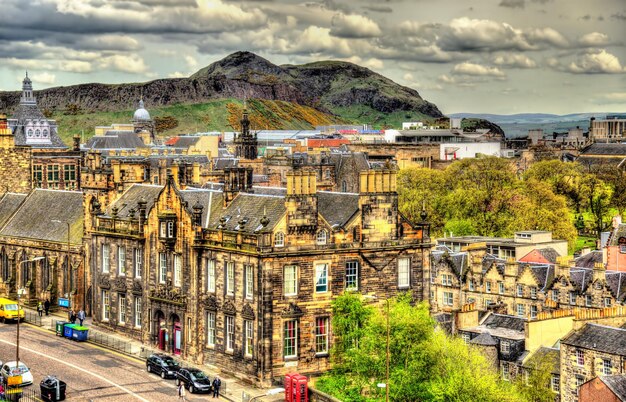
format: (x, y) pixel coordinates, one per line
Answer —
(52, 389)
(59, 327)
(67, 330)
(79, 333)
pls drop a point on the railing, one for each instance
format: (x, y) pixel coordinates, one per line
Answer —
(21, 394)
(111, 342)
(32, 318)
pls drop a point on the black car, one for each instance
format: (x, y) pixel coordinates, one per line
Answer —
(194, 380)
(162, 364)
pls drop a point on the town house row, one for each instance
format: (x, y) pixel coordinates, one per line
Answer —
(242, 278)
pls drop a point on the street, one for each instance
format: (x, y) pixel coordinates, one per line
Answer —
(91, 373)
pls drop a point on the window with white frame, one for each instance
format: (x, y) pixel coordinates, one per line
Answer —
(607, 302)
(321, 335)
(447, 279)
(249, 277)
(466, 337)
(321, 237)
(555, 383)
(290, 280)
(290, 338)
(121, 260)
(588, 301)
(106, 258)
(580, 380)
(403, 272)
(162, 267)
(106, 305)
(580, 357)
(248, 337)
(555, 295)
(137, 311)
(210, 275)
(352, 275)
(533, 292)
(138, 262)
(521, 310)
(533, 311)
(505, 346)
(520, 290)
(505, 371)
(607, 367)
(572, 298)
(230, 278)
(122, 308)
(279, 239)
(321, 277)
(488, 287)
(210, 329)
(501, 288)
(448, 299)
(230, 332)
(178, 271)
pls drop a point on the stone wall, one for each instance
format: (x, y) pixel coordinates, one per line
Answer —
(15, 172)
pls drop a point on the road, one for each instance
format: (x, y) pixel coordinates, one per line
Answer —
(91, 373)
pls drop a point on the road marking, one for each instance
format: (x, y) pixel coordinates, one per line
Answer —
(79, 368)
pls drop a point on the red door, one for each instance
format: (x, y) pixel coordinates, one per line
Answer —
(177, 338)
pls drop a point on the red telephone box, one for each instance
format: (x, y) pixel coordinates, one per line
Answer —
(288, 387)
(301, 388)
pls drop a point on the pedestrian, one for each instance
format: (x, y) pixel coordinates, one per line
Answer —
(81, 316)
(181, 391)
(1, 391)
(46, 306)
(39, 309)
(217, 383)
(72, 317)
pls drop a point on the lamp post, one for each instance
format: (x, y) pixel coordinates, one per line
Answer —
(20, 293)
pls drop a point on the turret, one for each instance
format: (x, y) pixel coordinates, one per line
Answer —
(236, 179)
(301, 202)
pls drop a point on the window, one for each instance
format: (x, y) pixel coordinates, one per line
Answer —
(230, 278)
(321, 238)
(588, 300)
(170, 229)
(403, 272)
(505, 371)
(210, 275)
(488, 302)
(178, 271)
(279, 239)
(121, 260)
(488, 287)
(106, 305)
(69, 173)
(521, 310)
(520, 290)
(106, 263)
(555, 383)
(137, 311)
(471, 285)
(210, 329)
(533, 292)
(162, 267)
(580, 380)
(230, 332)
(53, 176)
(138, 262)
(555, 295)
(606, 366)
(290, 280)
(352, 275)
(533, 311)
(505, 347)
(166, 229)
(122, 308)
(321, 278)
(572, 298)
(321, 335)
(447, 299)
(249, 288)
(466, 337)
(580, 357)
(501, 288)
(37, 175)
(248, 337)
(607, 302)
(447, 280)
(290, 338)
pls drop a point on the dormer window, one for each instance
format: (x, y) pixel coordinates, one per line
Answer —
(167, 228)
(279, 239)
(321, 238)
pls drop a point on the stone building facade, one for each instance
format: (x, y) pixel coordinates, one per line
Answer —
(242, 278)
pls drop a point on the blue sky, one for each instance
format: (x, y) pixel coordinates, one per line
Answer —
(490, 56)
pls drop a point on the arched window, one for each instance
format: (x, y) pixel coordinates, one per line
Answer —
(37, 133)
(45, 133)
(279, 239)
(321, 237)
(29, 133)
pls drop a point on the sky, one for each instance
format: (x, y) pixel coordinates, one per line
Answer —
(480, 56)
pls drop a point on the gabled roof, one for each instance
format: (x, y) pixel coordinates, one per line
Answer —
(250, 208)
(600, 338)
(541, 256)
(588, 260)
(23, 114)
(617, 384)
(211, 201)
(131, 197)
(581, 278)
(458, 262)
(484, 339)
(489, 260)
(337, 208)
(544, 275)
(616, 282)
(9, 203)
(44, 215)
(504, 321)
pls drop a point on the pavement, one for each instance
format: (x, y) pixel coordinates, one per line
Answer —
(232, 389)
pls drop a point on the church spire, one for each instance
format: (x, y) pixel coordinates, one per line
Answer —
(27, 92)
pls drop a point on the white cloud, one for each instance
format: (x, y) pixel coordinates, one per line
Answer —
(593, 39)
(354, 26)
(44, 78)
(600, 62)
(76, 66)
(177, 74)
(125, 63)
(548, 36)
(478, 70)
(472, 34)
(192, 63)
(316, 39)
(514, 60)
(27, 64)
(408, 77)
(110, 42)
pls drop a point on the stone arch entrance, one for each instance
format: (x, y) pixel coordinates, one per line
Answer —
(159, 328)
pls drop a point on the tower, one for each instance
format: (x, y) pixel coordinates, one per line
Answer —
(27, 92)
(246, 144)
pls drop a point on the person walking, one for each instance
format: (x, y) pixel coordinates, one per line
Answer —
(72, 317)
(39, 309)
(181, 391)
(81, 316)
(46, 306)
(217, 383)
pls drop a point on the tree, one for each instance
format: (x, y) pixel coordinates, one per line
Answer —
(597, 197)
(535, 386)
(563, 177)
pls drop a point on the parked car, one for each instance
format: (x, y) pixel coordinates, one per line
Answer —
(194, 380)
(9, 369)
(162, 364)
(9, 312)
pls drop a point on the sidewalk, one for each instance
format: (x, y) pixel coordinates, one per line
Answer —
(232, 388)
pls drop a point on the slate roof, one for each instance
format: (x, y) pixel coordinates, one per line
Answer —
(581, 278)
(504, 321)
(553, 355)
(23, 114)
(459, 262)
(617, 384)
(222, 163)
(588, 260)
(358, 158)
(132, 196)
(489, 260)
(9, 203)
(617, 283)
(611, 149)
(182, 141)
(484, 339)
(544, 274)
(600, 338)
(337, 208)
(250, 207)
(211, 200)
(116, 139)
(37, 216)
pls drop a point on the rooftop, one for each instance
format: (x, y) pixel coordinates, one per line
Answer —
(600, 338)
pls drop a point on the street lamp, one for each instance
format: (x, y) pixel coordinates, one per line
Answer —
(273, 391)
(20, 293)
(386, 384)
